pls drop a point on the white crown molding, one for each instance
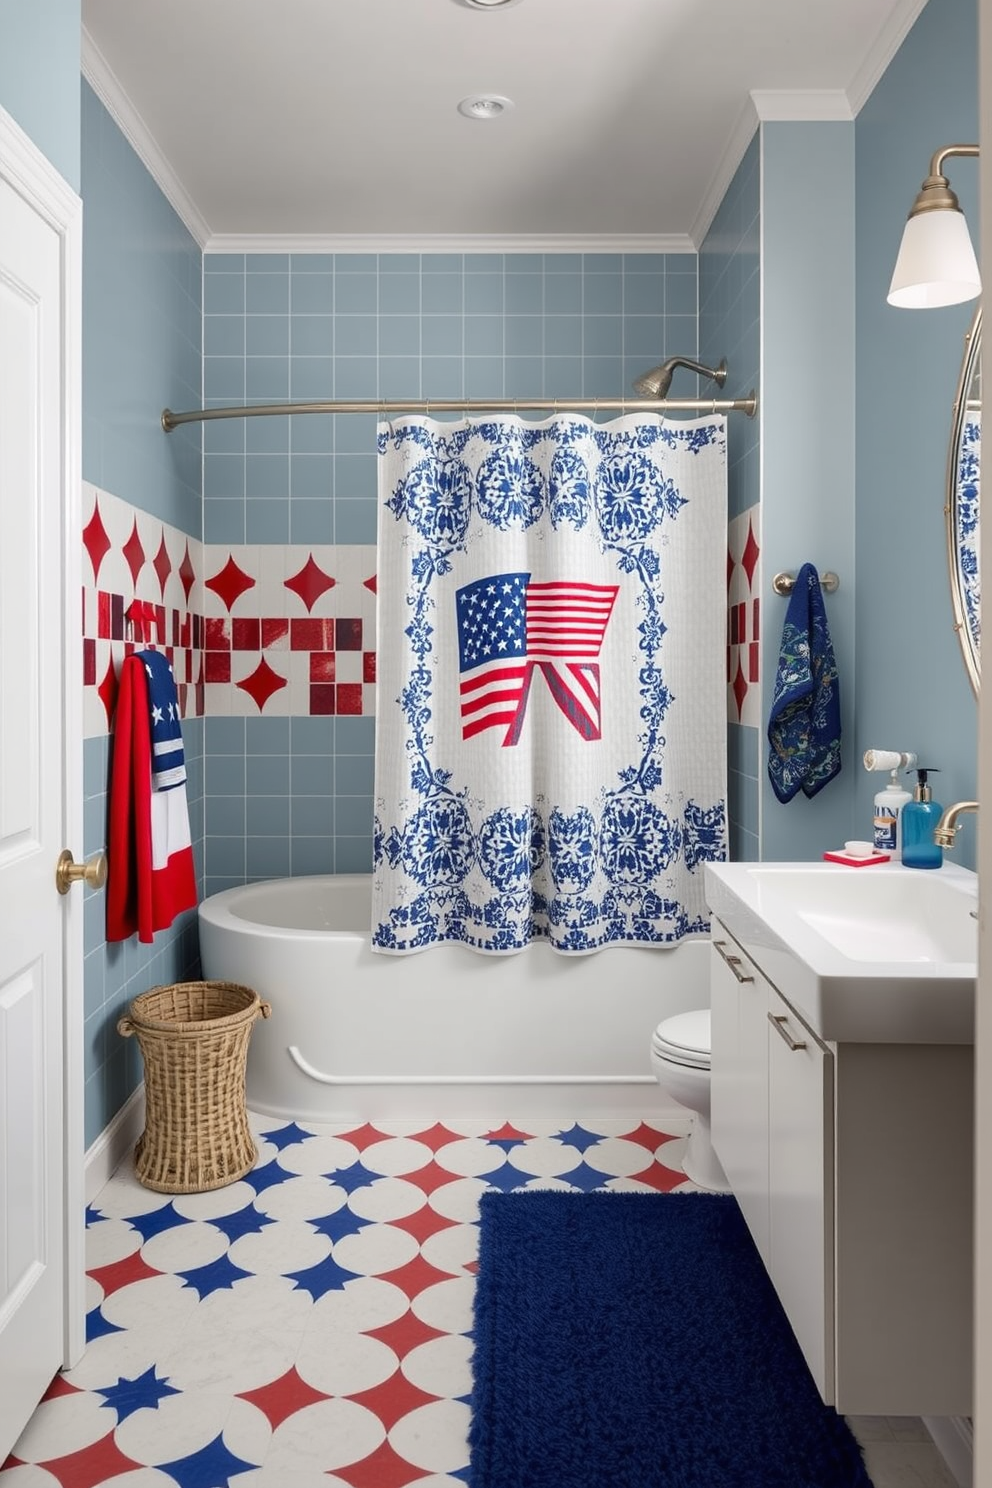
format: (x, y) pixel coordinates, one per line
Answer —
(740, 137)
(802, 105)
(106, 85)
(886, 44)
(449, 243)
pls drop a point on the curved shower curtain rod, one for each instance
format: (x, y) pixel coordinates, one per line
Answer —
(658, 380)
(428, 406)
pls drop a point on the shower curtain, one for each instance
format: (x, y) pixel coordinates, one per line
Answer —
(551, 690)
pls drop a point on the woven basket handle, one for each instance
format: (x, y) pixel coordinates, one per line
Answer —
(264, 1009)
(125, 1027)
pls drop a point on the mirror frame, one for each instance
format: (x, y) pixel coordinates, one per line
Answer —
(962, 509)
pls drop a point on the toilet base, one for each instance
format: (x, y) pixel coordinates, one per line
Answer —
(700, 1163)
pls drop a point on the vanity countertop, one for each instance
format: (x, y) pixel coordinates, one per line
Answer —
(878, 954)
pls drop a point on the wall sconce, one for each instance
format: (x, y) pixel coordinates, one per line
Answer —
(936, 263)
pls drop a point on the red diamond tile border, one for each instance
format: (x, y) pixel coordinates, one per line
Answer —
(96, 542)
(230, 582)
(262, 683)
(310, 583)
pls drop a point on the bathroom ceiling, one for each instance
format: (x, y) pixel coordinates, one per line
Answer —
(339, 118)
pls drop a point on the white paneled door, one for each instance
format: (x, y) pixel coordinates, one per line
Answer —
(37, 926)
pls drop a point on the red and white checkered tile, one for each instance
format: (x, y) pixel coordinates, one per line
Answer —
(289, 629)
(310, 1325)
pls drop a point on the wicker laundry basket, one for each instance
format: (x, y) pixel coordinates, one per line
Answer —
(193, 1038)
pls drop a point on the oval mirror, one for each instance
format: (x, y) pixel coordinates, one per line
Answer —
(963, 508)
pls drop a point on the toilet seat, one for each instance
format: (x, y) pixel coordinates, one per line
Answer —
(684, 1039)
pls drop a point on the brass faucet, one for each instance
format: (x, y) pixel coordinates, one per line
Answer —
(947, 828)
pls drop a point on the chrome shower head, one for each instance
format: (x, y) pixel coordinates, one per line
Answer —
(656, 383)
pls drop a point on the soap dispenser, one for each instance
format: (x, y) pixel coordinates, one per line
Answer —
(919, 818)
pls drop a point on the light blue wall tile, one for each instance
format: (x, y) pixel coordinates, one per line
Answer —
(311, 294)
(312, 816)
(313, 855)
(311, 521)
(224, 294)
(354, 520)
(267, 294)
(483, 335)
(267, 520)
(442, 294)
(353, 854)
(312, 768)
(355, 335)
(311, 335)
(267, 774)
(311, 476)
(399, 336)
(267, 379)
(311, 379)
(267, 475)
(356, 294)
(266, 335)
(224, 335)
(266, 436)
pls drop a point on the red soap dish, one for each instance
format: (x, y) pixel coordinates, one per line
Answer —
(840, 857)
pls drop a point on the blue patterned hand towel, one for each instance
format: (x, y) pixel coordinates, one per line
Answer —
(804, 721)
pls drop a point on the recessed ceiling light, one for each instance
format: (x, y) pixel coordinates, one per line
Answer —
(490, 4)
(485, 106)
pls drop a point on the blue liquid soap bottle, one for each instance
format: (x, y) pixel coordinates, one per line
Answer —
(919, 818)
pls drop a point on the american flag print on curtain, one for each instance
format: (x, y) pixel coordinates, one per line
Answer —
(507, 626)
(550, 741)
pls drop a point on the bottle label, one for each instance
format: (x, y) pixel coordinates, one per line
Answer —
(885, 832)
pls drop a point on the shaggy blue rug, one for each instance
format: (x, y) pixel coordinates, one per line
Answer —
(629, 1340)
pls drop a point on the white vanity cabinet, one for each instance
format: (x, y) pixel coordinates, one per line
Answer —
(851, 1163)
(772, 1130)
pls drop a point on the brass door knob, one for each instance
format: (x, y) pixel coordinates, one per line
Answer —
(68, 872)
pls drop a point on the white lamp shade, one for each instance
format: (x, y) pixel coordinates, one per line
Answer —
(936, 263)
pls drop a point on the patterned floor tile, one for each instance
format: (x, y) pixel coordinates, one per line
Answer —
(309, 1325)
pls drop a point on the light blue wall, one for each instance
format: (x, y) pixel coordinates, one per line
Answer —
(39, 76)
(392, 326)
(807, 434)
(912, 690)
(730, 326)
(141, 350)
(141, 330)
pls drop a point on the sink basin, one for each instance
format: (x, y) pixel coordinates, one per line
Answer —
(875, 954)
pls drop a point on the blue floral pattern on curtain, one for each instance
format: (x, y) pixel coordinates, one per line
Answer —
(551, 721)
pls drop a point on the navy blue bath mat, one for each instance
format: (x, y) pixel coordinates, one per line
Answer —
(634, 1341)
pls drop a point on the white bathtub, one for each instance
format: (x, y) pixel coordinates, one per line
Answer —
(355, 1035)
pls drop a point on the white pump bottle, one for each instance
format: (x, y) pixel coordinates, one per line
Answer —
(887, 826)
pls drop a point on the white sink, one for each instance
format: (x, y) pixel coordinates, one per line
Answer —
(871, 954)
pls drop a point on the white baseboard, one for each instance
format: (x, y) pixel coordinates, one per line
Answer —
(954, 1438)
(114, 1143)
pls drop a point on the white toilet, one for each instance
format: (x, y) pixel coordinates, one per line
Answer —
(680, 1060)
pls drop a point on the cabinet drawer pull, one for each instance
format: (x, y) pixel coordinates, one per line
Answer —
(734, 962)
(779, 1021)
